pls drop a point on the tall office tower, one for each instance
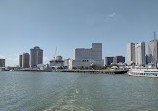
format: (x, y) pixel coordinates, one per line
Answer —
(25, 60)
(140, 54)
(20, 60)
(36, 56)
(2, 62)
(130, 53)
(118, 59)
(108, 60)
(153, 50)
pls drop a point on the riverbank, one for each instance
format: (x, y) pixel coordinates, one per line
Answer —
(95, 71)
(77, 71)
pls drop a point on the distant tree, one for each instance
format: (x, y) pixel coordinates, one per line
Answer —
(103, 67)
(93, 67)
(74, 68)
(86, 68)
(111, 65)
(60, 67)
(97, 67)
(81, 67)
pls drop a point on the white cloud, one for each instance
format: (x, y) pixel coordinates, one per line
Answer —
(12, 61)
(111, 15)
(2, 57)
(46, 60)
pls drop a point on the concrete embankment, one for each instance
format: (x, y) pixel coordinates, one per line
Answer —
(96, 71)
(80, 71)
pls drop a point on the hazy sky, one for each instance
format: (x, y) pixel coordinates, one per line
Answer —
(69, 24)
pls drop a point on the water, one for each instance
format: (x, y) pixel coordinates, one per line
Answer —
(51, 91)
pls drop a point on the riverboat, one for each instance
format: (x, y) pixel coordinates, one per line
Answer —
(143, 72)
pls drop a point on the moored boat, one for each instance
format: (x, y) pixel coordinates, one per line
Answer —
(143, 72)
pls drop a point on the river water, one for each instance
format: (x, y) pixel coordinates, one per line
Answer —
(54, 91)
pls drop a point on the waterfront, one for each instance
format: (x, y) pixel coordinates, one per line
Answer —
(59, 91)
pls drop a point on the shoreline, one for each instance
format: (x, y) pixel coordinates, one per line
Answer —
(95, 71)
(78, 71)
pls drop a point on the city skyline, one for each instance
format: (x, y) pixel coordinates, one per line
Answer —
(71, 24)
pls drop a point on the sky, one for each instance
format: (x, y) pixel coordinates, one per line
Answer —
(70, 24)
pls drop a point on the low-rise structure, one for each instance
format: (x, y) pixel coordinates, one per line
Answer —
(118, 59)
(108, 60)
(57, 62)
(67, 63)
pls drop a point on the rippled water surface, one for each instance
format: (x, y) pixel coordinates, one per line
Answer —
(51, 91)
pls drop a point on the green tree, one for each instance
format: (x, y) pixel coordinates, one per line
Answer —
(111, 65)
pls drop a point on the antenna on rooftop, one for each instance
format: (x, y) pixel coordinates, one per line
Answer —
(154, 36)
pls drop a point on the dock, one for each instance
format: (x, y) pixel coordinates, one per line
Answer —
(96, 71)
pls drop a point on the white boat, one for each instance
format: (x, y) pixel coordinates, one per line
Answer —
(143, 72)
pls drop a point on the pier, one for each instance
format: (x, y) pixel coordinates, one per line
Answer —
(96, 71)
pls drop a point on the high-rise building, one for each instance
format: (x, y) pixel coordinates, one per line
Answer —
(149, 59)
(36, 56)
(20, 60)
(153, 50)
(118, 59)
(25, 60)
(108, 60)
(2, 62)
(86, 57)
(140, 58)
(130, 53)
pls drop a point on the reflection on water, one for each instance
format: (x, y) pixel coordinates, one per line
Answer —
(51, 91)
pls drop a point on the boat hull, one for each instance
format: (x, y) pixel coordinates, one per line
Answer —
(143, 73)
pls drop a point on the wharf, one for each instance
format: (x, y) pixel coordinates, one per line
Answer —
(96, 71)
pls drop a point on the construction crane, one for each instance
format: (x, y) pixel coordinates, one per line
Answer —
(55, 53)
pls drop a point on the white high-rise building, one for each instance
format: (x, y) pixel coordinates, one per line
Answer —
(87, 57)
(140, 54)
(130, 53)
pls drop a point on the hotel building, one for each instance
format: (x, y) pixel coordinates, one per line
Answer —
(36, 56)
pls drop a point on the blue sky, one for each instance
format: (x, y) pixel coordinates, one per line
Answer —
(69, 24)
